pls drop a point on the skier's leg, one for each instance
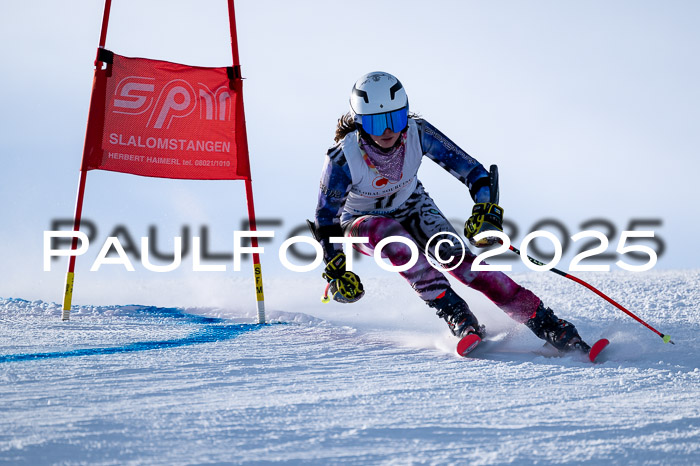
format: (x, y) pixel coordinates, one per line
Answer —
(521, 305)
(425, 279)
(430, 284)
(423, 220)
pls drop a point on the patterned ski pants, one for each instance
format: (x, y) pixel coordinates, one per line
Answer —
(418, 219)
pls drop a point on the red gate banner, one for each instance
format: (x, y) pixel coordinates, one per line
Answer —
(162, 119)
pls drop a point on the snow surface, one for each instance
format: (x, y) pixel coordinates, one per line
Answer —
(373, 382)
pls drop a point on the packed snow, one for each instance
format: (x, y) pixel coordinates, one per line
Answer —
(376, 382)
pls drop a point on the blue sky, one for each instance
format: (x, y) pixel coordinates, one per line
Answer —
(590, 109)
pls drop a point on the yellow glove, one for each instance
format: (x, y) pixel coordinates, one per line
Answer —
(485, 216)
(346, 287)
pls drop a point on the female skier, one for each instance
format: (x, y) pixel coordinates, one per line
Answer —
(369, 189)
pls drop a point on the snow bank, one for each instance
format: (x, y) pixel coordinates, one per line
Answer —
(374, 382)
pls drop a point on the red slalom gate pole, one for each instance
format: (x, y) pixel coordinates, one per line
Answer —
(666, 338)
(257, 268)
(105, 22)
(70, 275)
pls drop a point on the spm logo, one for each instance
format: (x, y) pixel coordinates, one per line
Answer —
(136, 95)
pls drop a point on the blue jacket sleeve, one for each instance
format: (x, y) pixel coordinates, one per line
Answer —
(335, 186)
(452, 158)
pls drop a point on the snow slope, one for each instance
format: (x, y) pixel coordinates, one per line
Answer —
(375, 382)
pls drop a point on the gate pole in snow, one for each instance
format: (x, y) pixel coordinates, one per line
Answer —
(260, 297)
(68, 293)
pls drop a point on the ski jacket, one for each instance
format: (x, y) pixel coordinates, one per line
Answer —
(350, 187)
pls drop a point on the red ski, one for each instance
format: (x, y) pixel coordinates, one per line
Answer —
(597, 347)
(467, 344)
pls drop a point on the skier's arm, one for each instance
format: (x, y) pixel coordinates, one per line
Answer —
(454, 160)
(486, 215)
(334, 189)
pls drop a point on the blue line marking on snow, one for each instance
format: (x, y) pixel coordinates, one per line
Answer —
(210, 329)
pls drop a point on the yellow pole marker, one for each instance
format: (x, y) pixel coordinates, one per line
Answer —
(68, 296)
(260, 295)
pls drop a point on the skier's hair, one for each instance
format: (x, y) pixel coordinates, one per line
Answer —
(346, 125)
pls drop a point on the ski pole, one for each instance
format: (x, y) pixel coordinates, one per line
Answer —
(325, 298)
(493, 179)
(666, 338)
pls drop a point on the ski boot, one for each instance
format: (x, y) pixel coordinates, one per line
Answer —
(451, 307)
(557, 332)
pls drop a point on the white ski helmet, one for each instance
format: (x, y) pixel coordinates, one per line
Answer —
(378, 101)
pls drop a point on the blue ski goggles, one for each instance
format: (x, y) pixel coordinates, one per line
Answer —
(375, 125)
